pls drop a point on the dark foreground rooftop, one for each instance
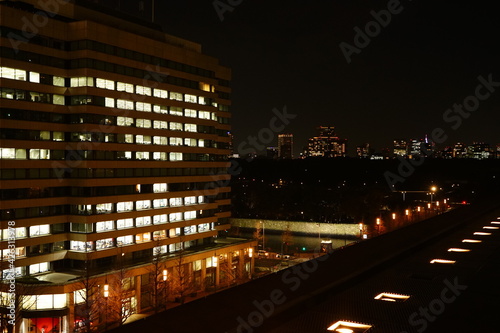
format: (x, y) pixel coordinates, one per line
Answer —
(460, 296)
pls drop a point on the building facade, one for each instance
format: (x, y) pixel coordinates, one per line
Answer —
(327, 144)
(114, 139)
(285, 146)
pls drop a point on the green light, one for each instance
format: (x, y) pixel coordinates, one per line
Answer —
(303, 249)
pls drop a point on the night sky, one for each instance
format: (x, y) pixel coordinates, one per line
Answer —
(399, 86)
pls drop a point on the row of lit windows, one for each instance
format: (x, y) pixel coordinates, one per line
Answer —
(45, 154)
(21, 232)
(22, 75)
(128, 206)
(107, 243)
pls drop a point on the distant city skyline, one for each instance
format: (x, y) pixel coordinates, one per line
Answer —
(398, 86)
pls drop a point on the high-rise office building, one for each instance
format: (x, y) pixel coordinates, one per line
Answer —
(327, 143)
(400, 147)
(479, 151)
(285, 146)
(364, 150)
(113, 156)
(459, 150)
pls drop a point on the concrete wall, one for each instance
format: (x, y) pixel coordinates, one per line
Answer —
(340, 229)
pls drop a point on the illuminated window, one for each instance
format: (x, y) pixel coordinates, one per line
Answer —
(58, 99)
(176, 111)
(125, 240)
(125, 206)
(58, 81)
(176, 96)
(144, 237)
(204, 86)
(159, 234)
(190, 98)
(109, 102)
(12, 73)
(175, 126)
(142, 204)
(160, 249)
(190, 142)
(204, 115)
(141, 90)
(160, 156)
(175, 202)
(160, 109)
(104, 244)
(201, 143)
(142, 155)
(175, 156)
(174, 232)
(127, 87)
(34, 77)
(190, 113)
(349, 327)
(79, 296)
(143, 221)
(202, 100)
(471, 241)
(104, 208)
(175, 141)
(44, 135)
(105, 84)
(203, 227)
(124, 121)
(160, 203)
(159, 219)
(190, 200)
(143, 123)
(82, 82)
(190, 230)
(58, 136)
(39, 230)
(160, 93)
(124, 223)
(190, 127)
(390, 297)
(104, 226)
(190, 215)
(39, 154)
(144, 107)
(80, 246)
(160, 187)
(201, 199)
(174, 217)
(124, 104)
(160, 124)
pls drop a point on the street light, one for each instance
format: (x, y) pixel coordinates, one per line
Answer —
(378, 226)
(433, 190)
(393, 216)
(361, 230)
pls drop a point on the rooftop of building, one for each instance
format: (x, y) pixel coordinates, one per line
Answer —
(311, 297)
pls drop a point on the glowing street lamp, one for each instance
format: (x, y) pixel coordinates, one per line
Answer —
(433, 190)
(106, 290)
(393, 216)
(407, 212)
(378, 226)
(418, 209)
(165, 274)
(361, 230)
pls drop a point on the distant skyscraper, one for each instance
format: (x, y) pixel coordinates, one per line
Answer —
(479, 150)
(459, 150)
(285, 145)
(400, 147)
(419, 147)
(363, 151)
(327, 144)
